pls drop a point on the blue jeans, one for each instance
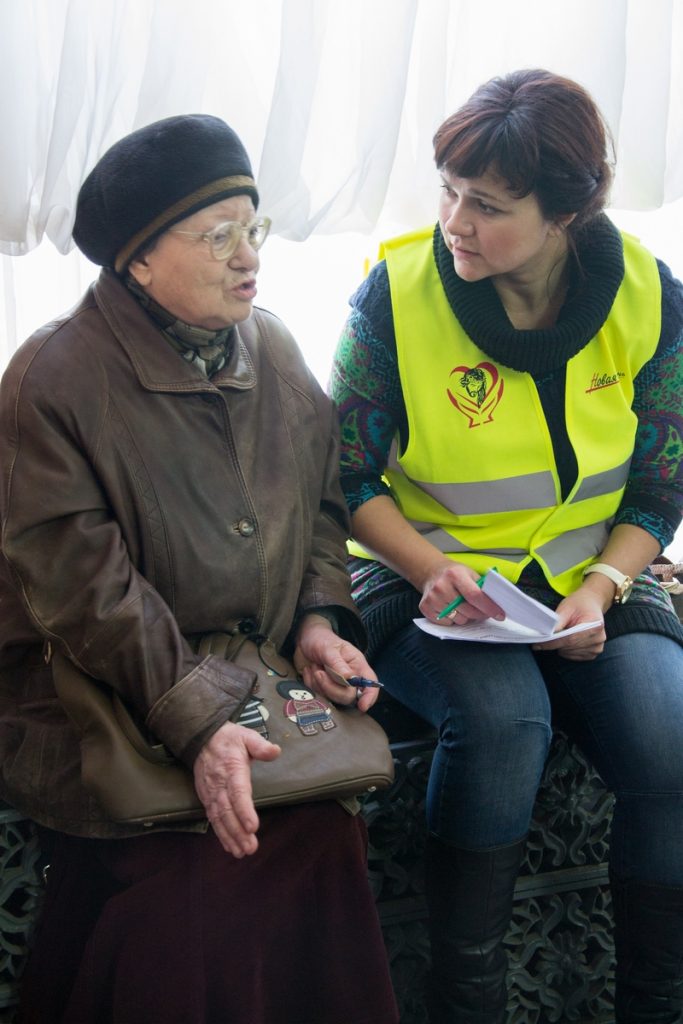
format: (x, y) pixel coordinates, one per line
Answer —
(491, 705)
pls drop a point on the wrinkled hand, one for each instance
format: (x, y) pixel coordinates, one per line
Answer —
(222, 778)
(581, 606)
(318, 650)
(450, 580)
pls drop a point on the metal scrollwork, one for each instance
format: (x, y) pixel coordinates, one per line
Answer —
(572, 814)
(20, 894)
(561, 954)
(396, 827)
(559, 941)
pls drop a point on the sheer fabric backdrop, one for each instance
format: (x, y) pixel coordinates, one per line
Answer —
(336, 103)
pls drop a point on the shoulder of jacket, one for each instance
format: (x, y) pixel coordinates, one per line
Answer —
(284, 355)
(46, 349)
(270, 323)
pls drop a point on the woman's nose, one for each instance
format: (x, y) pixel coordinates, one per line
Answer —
(244, 257)
(458, 222)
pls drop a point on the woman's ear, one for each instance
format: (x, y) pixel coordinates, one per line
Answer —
(141, 271)
(561, 223)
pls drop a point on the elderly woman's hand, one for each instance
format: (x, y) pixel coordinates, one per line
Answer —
(222, 778)
(325, 660)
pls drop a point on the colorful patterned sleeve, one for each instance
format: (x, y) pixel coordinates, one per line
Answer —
(653, 498)
(365, 386)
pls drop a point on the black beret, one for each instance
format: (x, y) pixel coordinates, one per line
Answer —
(153, 178)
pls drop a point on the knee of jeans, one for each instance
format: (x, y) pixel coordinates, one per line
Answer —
(537, 733)
(526, 737)
(484, 780)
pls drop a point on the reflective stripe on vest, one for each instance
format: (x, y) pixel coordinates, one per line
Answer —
(478, 477)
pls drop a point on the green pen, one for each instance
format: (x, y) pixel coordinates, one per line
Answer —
(459, 599)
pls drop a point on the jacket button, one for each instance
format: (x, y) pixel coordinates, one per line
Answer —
(245, 527)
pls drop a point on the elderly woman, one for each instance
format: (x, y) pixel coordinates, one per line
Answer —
(509, 387)
(169, 469)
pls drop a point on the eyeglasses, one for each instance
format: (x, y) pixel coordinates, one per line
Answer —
(225, 238)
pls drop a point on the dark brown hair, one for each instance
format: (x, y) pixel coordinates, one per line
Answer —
(542, 134)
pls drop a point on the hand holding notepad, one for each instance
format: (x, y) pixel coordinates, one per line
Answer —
(527, 620)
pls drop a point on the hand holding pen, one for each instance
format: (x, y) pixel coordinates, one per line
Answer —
(460, 599)
(362, 684)
(359, 682)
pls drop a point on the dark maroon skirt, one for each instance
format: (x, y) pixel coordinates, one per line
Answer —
(170, 929)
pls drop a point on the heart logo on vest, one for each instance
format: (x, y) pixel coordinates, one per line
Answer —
(480, 390)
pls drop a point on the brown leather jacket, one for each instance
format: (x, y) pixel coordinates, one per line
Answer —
(143, 505)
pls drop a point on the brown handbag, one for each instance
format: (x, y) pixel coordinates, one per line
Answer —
(327, 752)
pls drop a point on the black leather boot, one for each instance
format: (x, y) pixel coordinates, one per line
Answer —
(469, 895)
(648, 939)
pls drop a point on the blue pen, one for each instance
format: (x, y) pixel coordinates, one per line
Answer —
(459, 599)
(360, 682)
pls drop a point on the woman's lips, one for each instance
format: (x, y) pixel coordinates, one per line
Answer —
(246, 290)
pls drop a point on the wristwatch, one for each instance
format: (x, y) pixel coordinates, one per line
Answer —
(624, 584)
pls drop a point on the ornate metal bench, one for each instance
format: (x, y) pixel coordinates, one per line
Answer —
(561, 954)
(560, 938)
(21, 887)
(560, 945)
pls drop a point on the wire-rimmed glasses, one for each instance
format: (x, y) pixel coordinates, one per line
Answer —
(225, 238)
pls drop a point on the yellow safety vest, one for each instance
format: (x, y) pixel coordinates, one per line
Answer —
(478, 478)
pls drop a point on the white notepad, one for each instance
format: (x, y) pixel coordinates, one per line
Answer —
(527, 620)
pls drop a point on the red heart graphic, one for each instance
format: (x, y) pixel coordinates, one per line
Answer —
(482, 387)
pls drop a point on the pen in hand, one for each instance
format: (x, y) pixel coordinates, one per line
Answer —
(361, 682)
(459, 599)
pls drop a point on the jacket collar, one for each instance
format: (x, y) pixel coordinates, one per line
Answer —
(162, 368)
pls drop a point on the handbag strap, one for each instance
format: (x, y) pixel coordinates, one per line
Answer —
(250, 650)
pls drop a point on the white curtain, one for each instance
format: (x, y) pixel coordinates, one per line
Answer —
(337, 102)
